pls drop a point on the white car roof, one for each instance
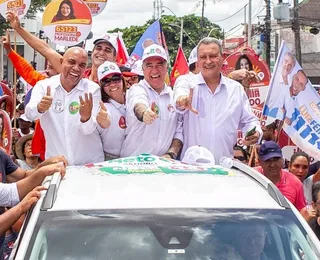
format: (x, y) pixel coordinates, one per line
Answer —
(89, 188)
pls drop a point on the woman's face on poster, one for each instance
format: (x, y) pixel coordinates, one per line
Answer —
(65, 10)
(244, 64)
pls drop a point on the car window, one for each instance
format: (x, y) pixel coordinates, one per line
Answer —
(170, 234)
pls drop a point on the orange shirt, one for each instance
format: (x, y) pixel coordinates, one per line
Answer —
(31, 76)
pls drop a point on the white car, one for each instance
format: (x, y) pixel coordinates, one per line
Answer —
(147, 207)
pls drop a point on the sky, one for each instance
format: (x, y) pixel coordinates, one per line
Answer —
(124, 13)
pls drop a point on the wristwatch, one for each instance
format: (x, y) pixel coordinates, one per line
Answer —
(172, 155)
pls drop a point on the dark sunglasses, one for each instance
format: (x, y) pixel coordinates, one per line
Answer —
(240, 158)
(114, 79)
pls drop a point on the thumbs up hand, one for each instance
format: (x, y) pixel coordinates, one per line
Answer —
(150, 114)
(45, 102)
(103, 117)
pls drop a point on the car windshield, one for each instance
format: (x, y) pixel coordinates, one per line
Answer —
(170, 234)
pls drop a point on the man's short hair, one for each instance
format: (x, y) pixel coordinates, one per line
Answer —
(209, 40)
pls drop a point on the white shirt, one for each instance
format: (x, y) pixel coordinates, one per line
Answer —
(9, 195)
(65, 135)
(221, 114)
(156, 138)
(113, 136)
(22, 134)
(307, 189)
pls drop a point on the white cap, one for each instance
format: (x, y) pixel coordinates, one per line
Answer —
(193, 56)
(198, 155)
(154, 50)
(137, 68)
(107, 68)
(109, 39)
(24, 118)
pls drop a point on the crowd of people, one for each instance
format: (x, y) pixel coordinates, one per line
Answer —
(77, 115)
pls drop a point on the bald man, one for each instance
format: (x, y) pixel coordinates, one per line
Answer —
(67, 105)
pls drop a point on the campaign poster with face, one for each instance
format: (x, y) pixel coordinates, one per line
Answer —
(19, 7)
(67, 22)
(96, 6)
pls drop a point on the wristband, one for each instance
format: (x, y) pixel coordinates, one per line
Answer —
(172, 155)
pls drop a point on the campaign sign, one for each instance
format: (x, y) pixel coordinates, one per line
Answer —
(6, 103)
(246, 58)
(19, 7)
(67, 22)
(5, 132)
(96, 6)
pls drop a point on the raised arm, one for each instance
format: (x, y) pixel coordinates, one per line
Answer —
(23, 68)
(40, 46)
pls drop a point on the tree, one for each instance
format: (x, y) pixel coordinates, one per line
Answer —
(36, 5)
(171, 28)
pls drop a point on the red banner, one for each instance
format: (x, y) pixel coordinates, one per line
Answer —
(122, 54)
(180, 66)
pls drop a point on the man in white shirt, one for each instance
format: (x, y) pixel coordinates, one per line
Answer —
(64, 103)
(152, 121)
(214, 106)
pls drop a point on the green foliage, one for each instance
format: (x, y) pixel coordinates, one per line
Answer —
(36, 5)
(171, 28)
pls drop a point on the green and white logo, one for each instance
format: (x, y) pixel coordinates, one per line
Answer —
(74, 107)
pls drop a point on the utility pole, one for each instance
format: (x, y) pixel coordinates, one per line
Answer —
(249, 23)
(296, 30)
(181, 33)
(202, 19)
(157, 9)
(245, 24)
(268, 31)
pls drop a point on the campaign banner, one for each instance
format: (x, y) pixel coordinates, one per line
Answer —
(5, 132)
(19, 7)
(149, 164)
(153, 35)
(246, 58)
(292, 98)
(96, 6)
(67, 22)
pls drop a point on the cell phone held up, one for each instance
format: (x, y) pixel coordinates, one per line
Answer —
(251, 132)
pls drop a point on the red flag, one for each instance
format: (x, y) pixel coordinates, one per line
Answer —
(122, 54)
(180, 66)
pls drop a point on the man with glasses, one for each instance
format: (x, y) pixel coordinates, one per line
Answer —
(135, 75)
(152, 121)
(271, 161)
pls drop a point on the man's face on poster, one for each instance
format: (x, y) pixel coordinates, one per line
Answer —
(288, 63)
(299, 83)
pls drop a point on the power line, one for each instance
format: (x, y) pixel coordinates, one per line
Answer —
(229, 16)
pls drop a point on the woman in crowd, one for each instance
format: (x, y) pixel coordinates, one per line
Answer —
(299, 166)
(65, 12)
(111, 117)
(25, 159)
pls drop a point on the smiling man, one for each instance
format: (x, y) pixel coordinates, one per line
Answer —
(64, 103)
(152, 122)
(214, 106)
